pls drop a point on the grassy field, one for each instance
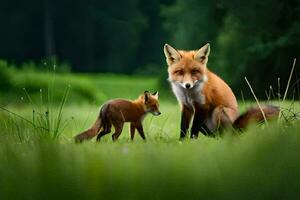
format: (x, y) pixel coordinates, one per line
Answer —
(261, 163)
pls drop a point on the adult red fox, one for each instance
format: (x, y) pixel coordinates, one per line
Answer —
(118, 111)
(204, 95)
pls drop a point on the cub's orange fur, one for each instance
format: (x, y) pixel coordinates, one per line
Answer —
(118, 111)
(205, 96)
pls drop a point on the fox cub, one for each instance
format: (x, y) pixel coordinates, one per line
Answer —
(118, 111)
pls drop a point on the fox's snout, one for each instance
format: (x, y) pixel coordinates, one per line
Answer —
(190, 85)
(187, 85)
(157, 113)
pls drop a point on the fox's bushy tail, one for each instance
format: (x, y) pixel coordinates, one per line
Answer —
(255, 115)
(94, 130)
(91, 132)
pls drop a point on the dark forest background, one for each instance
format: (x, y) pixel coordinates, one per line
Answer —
(258, 39)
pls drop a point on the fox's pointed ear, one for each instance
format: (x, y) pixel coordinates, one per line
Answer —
(202, 54)
(146, 97)
(155, 95)
(172, 55)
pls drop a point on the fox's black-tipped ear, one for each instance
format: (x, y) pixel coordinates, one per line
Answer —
(155, 94)
(172, 55)
(202, 54)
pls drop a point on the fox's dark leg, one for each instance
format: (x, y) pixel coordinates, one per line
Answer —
(205, 130)
(141, 131)
(132, 130)
(100, 135)
(118, 130)
(198, 123)
(186, 116)
(106, 130)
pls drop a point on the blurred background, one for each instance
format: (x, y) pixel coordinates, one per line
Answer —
(258, 39)
(61, 59)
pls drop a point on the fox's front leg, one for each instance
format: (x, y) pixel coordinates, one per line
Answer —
(132, 130)
(199, 123)
(186, 116)
(140, 129)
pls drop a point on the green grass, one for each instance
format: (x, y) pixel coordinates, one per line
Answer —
(261, 163)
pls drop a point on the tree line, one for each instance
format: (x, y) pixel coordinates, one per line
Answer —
(257, 39)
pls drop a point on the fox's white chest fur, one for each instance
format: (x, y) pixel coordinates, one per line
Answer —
(190, 96)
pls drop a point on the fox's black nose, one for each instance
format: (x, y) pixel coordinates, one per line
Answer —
(187, 85)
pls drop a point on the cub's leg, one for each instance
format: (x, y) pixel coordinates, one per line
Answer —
(106, 130)
(140, 129)
(118, 125)
(117, 119)
(132, 130)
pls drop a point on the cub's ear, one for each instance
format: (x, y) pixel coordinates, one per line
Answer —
(172, 55)
(146, 97)
(202, 54)
(155, 95)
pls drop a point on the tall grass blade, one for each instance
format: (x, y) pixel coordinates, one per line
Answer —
(257, 102)
(287, 86)
(59, 116)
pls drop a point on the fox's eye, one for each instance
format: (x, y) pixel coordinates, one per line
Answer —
(179, 72)
(154, 108)
(195, 71)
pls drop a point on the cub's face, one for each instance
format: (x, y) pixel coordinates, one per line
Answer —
(151, 103)
(187, 68)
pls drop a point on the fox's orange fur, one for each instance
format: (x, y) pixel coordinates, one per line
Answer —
(118, 111)
(204, 96)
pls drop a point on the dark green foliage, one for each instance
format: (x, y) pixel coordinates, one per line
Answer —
(263, 35)
(257, 39)
(5, 76)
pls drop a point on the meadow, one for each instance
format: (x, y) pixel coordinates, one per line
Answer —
(39, 159)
